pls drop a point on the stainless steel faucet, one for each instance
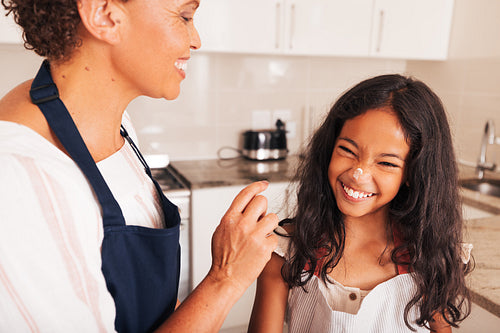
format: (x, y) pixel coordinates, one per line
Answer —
(488, 139)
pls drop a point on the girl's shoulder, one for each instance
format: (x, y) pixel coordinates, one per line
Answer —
(284, 232)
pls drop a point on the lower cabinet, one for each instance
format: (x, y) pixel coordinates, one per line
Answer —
(208, 205)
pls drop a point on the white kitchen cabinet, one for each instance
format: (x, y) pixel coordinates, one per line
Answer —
(412, 29)
(328, 27)
(10, 32)
(303, 27)
(404, 29)
(240, 25)
(208, 205)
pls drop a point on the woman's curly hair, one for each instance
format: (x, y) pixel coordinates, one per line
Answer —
(49, 26)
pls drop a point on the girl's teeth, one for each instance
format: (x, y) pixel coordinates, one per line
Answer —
(356, 194)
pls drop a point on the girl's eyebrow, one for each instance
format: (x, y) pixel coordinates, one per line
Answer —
(393, 155)
(352, 142)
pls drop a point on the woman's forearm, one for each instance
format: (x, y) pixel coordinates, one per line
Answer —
(206, 307)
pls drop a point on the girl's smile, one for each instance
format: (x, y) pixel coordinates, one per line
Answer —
(368, 162)
(354, 194)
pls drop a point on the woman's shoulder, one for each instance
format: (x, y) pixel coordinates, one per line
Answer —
(16, 107)
(14, 101)
(24, 151)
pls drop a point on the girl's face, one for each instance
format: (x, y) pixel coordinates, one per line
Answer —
(156, 44)
(375, 143)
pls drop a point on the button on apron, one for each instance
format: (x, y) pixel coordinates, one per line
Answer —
(140, 265)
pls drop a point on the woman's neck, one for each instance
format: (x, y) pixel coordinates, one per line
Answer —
(96, 100)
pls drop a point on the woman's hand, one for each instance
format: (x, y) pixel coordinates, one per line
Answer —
(244, 240)
(241, 246)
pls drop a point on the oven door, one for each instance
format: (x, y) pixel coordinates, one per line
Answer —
(179, 193)
(182, 202)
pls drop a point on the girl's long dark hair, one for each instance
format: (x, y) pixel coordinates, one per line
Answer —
(426, 211)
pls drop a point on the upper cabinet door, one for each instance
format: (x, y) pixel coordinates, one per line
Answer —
(10, 32)
(412, 29)
(405, 29)
(246, 26)
(328, 27)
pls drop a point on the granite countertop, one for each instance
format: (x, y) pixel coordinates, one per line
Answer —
(483, 233)
(239, 171)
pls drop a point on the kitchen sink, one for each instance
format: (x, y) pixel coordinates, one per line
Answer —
(483, 186)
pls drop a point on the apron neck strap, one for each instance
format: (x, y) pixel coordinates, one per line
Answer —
(45, 95)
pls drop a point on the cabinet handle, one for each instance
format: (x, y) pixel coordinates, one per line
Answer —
(292, 25)
(278, 25)
(380, 31)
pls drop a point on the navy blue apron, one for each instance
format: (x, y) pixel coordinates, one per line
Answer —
(141, 265)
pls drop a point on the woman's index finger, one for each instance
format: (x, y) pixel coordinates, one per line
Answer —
(245, 196)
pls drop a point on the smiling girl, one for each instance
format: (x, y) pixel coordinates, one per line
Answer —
(375, 243)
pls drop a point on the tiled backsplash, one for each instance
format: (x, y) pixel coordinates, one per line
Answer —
(470, 95)
(221, 92)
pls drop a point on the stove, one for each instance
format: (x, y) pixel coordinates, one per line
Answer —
(170, 180)
(176, 190)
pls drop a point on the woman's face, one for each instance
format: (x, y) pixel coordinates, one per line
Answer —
(157, 39)
(375, 143)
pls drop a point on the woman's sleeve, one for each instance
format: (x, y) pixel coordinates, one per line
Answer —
(50, 277)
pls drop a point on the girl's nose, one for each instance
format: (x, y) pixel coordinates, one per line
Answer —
(361, 174)
(358, 172)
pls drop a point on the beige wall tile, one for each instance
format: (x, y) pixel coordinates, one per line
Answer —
(441, 76)
(16, 65)
(483, 75)
(260, 73)
(343, 73)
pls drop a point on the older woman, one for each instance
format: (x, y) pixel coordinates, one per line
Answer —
(88, 242)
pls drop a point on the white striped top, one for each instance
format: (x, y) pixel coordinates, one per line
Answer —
(382, 310)
(332, 307)
(51, 233)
